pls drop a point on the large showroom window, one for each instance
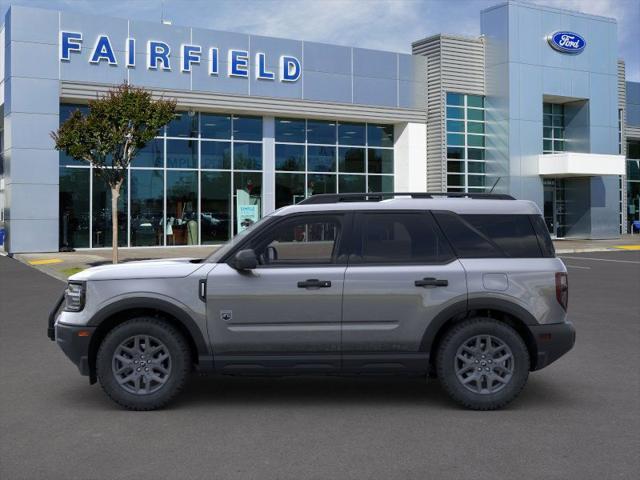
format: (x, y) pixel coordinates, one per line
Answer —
(198, 182)
(323, 156)
(465, 131)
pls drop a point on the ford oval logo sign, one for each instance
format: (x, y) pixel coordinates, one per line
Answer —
(567, 42)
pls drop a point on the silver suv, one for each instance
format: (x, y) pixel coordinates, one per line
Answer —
(465, 287)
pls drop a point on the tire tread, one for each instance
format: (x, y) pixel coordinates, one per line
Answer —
(182, 378)
(447, 383)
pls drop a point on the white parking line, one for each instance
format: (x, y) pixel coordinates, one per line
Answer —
(576, 266)
(601, 259)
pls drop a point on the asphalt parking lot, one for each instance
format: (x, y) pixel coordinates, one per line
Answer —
(579, 418)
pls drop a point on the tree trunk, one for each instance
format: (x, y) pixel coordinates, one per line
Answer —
(115, 194)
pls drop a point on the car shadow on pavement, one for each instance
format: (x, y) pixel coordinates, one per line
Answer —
(300, 392)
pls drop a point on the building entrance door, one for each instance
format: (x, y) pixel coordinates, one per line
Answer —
(555, 206)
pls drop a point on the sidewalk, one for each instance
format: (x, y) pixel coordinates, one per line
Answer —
(626, 242)
(64, 264)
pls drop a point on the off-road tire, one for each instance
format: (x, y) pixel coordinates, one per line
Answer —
(449, 349)
(180, 358)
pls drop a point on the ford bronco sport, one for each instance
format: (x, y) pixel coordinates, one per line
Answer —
(465, 287)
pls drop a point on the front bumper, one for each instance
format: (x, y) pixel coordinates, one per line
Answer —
(552, 341)
(74, 342)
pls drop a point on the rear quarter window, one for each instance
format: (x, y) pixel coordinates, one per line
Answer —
(513, 234)
(490, 236)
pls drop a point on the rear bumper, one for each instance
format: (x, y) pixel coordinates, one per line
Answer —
(74, 342)
(552, 341)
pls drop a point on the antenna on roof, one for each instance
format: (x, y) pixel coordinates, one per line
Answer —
(494, 185)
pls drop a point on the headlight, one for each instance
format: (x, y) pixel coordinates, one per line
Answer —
(74, 297)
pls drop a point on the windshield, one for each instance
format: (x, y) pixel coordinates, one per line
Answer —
(227, 247)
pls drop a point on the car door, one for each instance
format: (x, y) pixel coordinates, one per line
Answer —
(286, 313)
(401, 274)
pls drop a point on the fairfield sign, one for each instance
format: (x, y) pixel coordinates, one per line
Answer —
(159, 56)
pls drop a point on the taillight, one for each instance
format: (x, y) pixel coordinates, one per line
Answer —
(562, 289)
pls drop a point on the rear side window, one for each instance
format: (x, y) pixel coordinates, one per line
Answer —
(513, 234)
(467, 241)
(399, 238)
(490, 236)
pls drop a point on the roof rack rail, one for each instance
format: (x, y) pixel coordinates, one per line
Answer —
(379, 196)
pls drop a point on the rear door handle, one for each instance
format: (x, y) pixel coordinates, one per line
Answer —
(314, 283)
(431, 282)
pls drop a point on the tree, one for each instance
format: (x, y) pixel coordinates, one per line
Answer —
(117, 126)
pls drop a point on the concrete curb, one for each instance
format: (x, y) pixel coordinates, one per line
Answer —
(561, 251)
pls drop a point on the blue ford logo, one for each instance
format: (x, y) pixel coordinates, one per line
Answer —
(567, 42)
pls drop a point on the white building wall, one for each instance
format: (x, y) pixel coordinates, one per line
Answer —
(410, 157)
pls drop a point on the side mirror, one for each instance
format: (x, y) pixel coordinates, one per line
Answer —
(245, 260)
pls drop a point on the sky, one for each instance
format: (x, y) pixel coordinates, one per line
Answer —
(378, 24)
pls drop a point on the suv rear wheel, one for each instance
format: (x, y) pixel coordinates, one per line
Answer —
(483, 364)
(143, 363)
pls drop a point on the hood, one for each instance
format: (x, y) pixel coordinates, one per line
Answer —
(164, 268)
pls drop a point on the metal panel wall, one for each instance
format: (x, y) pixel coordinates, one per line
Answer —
(78, 91)
(454, 64)
(30, 114)
(521, 70)
(329, 73)
(622, 112)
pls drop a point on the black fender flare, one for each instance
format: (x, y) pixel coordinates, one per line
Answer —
(462, 308)
(154, 303)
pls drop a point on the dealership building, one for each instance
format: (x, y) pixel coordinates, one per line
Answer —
(536, 107)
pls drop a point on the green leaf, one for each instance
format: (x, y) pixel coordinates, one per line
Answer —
(117, 126)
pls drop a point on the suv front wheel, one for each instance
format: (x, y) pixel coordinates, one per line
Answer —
(482, 363)
(143, 363)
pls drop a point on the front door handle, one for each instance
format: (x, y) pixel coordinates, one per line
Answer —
(431, 282)
(314, 283)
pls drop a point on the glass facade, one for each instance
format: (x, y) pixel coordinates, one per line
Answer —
(633, 182)
(321, 156)
(181, 189)
(552, 128)
(185, 186)
(465, 130)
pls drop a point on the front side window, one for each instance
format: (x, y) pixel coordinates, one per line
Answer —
(399, 238)
(300, 241)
